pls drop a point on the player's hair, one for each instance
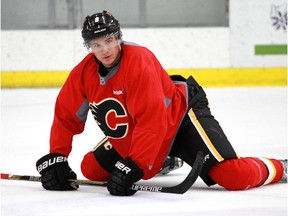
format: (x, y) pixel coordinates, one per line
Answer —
(98, 25)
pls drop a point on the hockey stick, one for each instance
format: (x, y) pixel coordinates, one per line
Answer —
(177, 189)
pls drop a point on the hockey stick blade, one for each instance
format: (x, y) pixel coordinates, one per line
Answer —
(185, 185)
(177, 189)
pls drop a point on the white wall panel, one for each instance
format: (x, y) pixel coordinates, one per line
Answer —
(63, 49)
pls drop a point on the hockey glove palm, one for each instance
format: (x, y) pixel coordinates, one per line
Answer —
(55, 172)
(123, 176)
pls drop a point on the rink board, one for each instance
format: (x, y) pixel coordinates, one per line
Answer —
(206, 77)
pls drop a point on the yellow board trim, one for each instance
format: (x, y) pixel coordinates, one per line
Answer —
(19, 79)
(218, 77)
(226, 77)
(204, 136)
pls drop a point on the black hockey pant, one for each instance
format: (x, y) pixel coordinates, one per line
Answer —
(200, 131)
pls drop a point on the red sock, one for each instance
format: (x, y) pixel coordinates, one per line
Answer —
(245, 173)
(275, 168)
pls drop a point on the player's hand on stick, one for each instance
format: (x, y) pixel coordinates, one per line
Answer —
(123, 176)
(55, 172)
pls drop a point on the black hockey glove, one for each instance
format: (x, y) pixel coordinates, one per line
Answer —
(123, 176)
(55, 172)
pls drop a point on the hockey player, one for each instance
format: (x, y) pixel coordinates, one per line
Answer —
(145, 115)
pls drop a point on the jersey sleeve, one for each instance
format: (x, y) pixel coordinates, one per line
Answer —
(70, 114)
(146, 105)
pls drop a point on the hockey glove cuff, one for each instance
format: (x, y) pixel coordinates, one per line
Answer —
(55, 172)
(123, 176)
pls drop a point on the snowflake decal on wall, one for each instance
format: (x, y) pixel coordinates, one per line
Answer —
(279, 16)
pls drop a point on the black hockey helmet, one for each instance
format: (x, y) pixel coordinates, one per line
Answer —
(100, 24)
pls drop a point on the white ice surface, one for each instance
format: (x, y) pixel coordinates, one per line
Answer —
(254, 119)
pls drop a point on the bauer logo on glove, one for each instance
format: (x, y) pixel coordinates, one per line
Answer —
(51, 162)
(122, 167)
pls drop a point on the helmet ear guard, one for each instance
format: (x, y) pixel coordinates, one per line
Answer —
(100, 25)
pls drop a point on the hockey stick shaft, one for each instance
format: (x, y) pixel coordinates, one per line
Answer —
(38, 179)
(177, 189)
(79, 182)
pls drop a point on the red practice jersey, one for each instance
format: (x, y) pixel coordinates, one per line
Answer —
(136, 105)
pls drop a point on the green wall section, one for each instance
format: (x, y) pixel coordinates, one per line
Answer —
(279, 49)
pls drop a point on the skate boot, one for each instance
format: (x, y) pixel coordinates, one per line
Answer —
(170, 164)
(284, 178)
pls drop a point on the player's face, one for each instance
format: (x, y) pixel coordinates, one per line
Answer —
(106, 49)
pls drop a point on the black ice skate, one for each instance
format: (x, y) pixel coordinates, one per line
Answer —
(170, 164)
(284, 178)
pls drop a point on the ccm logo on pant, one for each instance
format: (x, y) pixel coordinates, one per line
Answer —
(122, 167)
